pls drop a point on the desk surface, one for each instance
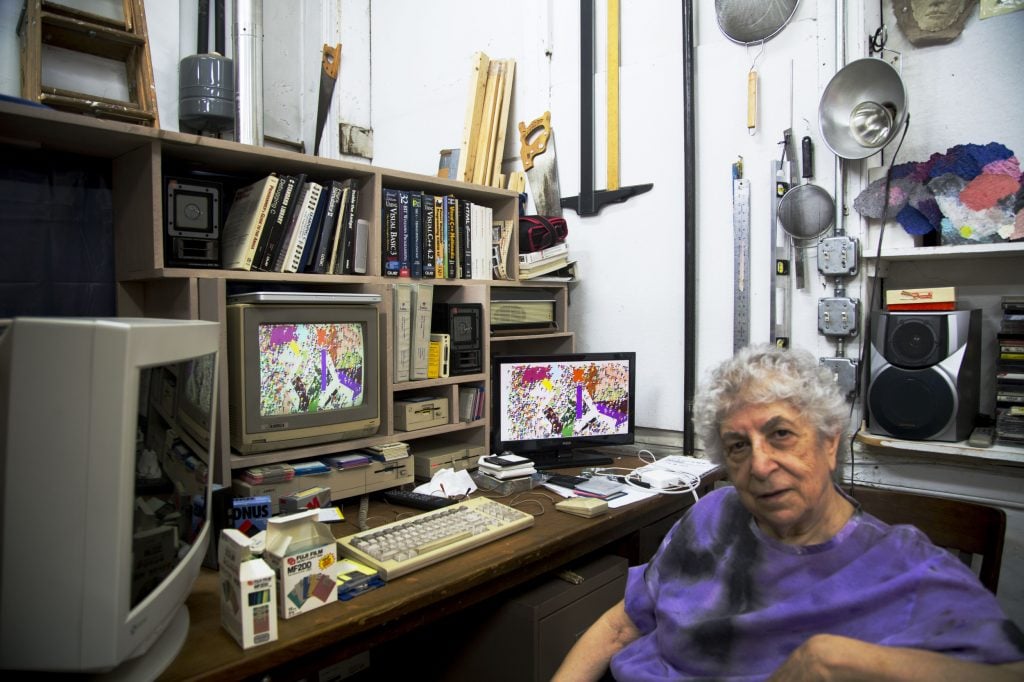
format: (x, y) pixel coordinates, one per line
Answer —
(347, 628)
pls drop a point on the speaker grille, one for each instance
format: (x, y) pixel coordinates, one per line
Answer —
(916, 342)
(914, 405)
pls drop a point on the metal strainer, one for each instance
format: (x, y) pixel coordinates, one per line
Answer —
(753, 21)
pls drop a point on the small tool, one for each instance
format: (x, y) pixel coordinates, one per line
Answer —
(328, 77)
(537, 151)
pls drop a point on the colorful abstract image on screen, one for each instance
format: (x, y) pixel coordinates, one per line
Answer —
(310, 367)
(565, 399)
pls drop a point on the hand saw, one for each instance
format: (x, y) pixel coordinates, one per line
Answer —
(328, 77)
(537, 151)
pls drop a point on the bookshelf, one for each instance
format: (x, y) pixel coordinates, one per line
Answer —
(140, 159)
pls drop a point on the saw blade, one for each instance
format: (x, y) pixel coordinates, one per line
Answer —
(537, 152)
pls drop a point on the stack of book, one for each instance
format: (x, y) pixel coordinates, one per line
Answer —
(289, 223)
(506, 466)
(544, 262)
(1010, 373)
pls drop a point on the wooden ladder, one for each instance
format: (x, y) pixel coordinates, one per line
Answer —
(122, 41)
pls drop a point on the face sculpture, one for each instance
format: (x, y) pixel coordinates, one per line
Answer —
(936, 15)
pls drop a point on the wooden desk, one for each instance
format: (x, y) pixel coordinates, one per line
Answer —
(337, 631)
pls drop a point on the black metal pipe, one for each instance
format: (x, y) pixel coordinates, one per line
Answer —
(221, 30)
(689, 231)
(203, 28)
(586, 195)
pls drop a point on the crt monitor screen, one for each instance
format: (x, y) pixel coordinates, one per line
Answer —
(311, 367)
(300, 375)
(548, 406)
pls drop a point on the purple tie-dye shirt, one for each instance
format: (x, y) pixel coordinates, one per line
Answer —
(722, 600)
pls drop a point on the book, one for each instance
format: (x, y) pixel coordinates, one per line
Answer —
(427, 238)
(537, 270)
(349, 233)
(281, 222)
(275, 208)
(326, 242)
(501, 242)
(440, 245)
(389, 233)
(559, 249)
(451, 231)
(403, 233)
(335, 264)
(306, 255)
(403, 330)
(287, 244)
(307, 212)
(480, 235)
(415, 234)
(422, 309)
(242, 229)
(465, 245)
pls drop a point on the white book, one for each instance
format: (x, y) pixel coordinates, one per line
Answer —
(244, 224)
(553, 251)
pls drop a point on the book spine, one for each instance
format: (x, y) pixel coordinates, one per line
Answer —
(329, 229)
(415, 234)
(240, 225)
(428, 237)
(451, 231)
(302, 228)
(268, 227)
(337, 265)
(465, 239)
(403, 233)
(389, 233)
(308, 250)
(440, 245)
(283, 219)
(351, 220)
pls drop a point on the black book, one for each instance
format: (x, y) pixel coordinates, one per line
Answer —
(289, 202)
(416, 234)
(335, 265)
(403, 233)
(389, 234)
(313, 235)
(451, 231)
(325, 240)
(427, 238)
(348, 246)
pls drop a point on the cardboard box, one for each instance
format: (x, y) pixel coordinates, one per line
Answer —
(932, 298)
(248, 608)
(420, 413)
(304, 555)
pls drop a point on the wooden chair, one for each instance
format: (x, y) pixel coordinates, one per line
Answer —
(966, 528)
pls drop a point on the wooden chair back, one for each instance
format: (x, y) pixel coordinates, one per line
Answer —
(968, 528)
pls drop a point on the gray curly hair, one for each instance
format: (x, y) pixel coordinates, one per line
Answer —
(763, 374)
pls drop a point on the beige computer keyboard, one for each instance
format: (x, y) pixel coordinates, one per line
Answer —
(410, 544)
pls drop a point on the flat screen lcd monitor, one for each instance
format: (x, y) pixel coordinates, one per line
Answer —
(552, 408)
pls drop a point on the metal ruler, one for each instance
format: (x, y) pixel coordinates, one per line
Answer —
(741, 258)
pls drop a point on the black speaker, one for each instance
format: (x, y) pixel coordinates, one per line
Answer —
(925, 373)
(464, 323)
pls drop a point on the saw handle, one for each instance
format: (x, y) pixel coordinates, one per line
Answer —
(528, 148)
(331, 60)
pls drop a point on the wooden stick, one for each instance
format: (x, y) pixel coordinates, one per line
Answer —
(474, 109)
(502, 123)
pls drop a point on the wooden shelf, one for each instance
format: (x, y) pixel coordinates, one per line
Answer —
(1004, 454)
(1006, 249)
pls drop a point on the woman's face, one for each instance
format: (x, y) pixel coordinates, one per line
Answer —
(782, 470)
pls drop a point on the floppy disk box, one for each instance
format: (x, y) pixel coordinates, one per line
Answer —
(248, 598)
(304, 555)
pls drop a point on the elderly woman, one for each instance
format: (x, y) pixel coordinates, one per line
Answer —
(782, 574)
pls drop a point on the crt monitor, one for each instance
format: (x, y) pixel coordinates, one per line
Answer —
(104, 503)
(552, 408)
(301, 374)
